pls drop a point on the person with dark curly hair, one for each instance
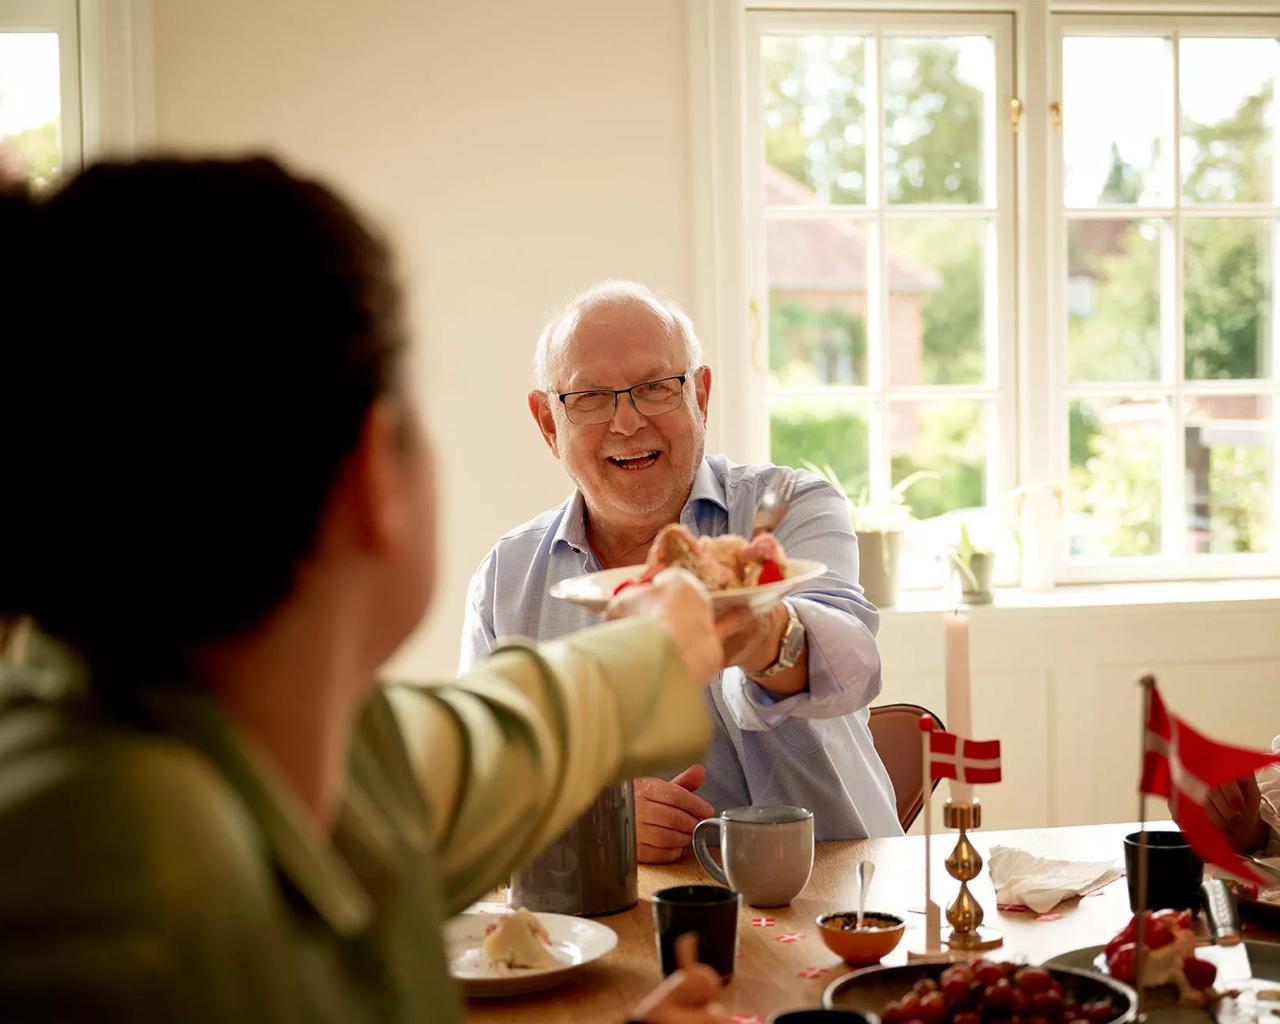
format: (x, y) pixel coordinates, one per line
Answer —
(216, 523)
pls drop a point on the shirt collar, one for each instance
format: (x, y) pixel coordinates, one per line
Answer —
(706, 487)
(572, 528)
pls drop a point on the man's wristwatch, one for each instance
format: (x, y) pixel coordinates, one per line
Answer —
(790, 649)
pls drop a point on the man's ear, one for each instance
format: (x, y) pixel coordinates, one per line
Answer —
(540, 407)
(702, 389)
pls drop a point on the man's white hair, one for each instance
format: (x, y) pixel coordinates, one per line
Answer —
(612, 292)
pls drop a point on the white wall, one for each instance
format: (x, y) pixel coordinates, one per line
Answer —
(516, 152)
(1056, 681)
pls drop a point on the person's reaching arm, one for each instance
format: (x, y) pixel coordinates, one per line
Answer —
(512, 752)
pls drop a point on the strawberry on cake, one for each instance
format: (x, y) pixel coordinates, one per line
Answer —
(1170, 959)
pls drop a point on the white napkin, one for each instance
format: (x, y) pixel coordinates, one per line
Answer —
(1041, 883)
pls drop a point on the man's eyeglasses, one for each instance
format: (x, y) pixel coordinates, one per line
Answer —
(650, 398)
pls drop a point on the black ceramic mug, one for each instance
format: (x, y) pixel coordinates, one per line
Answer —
(1174, 872)
(708, 911)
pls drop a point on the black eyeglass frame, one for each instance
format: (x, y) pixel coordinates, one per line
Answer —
(683, 378)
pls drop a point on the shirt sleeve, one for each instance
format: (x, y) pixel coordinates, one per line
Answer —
(840, 623)
(508, 755)
(478, 635)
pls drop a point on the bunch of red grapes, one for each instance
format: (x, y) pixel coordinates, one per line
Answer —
(987, 991)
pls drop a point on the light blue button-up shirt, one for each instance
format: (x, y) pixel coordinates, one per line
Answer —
(811, 749)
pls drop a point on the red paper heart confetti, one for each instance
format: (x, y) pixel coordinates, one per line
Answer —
(1012, 908)
(789, 937)
(813, 972)
(762, 922)
(1048, 917)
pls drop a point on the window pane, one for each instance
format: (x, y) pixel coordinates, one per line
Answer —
(1229, 439)
(1117, 448)
(1113, 300)
(817, 302)
(937, 95)
(1227, 297)
(936, 301)
(1227, 87)
(948, 437)
(30, 147)
(1117, 104)
(828, 433)
(815, 95)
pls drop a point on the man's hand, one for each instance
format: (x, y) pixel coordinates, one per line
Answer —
(1233, 809)
(678, 601)
(667, 813)
(684, 998)
(753, 646)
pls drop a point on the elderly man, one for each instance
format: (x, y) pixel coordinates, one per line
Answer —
(621, 399)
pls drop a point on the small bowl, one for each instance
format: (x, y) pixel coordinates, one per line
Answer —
(878, 935)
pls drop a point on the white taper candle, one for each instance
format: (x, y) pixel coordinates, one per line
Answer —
(959, 706)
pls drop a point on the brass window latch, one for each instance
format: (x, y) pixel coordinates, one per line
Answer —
(1016, 108)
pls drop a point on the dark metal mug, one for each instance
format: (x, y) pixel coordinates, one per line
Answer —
(591, 868)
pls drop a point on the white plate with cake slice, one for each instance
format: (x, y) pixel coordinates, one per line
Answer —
(572, 942)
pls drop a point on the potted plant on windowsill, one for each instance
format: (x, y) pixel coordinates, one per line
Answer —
(973, 567)
(879, 525)
(972, 540)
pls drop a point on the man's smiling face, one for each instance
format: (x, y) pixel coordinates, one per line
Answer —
(634, 468)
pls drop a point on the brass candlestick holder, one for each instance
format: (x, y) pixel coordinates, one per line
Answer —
(963, 864)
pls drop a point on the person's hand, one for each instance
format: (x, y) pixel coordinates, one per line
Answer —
(1233, 809)
(754, 644)
(678, 601)
(687, 997)
(667, 813)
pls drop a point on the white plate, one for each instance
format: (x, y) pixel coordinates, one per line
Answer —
(595, 589)
(575, 940)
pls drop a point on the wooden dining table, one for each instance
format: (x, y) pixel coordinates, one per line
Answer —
(782, 961)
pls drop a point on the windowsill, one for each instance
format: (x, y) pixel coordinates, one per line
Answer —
(1094, 595)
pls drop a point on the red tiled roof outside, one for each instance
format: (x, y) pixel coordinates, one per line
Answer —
(822, 255)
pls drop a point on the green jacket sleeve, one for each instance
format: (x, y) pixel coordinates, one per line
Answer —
(508, 755)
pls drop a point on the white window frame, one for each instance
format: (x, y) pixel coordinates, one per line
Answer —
(726, 298)
(996, 392)
(106, 72)
(1171, 384)
(61, 18)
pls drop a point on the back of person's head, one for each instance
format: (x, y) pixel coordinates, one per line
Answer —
(188, 354)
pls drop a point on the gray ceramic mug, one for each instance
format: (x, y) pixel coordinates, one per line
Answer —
(767, 852)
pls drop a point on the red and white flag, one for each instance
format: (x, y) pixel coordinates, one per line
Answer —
(954, 757)
(1183, 765)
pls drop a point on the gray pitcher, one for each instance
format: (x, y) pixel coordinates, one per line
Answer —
(591, 869)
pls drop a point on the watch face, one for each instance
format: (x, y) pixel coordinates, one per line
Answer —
(792, 644)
